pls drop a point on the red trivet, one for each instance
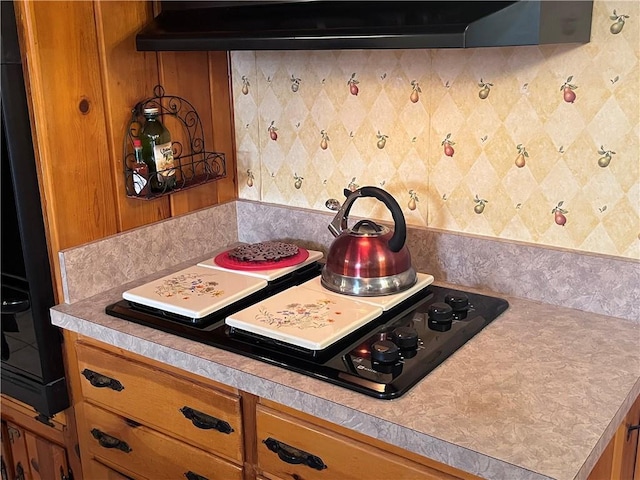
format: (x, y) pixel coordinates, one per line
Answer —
(224, 260)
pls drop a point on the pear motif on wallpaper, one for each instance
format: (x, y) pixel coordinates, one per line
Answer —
(324, 140)
(413, 199)
(559, 214)
(480, 204)
(295, 84)
(447, 143)
(568, 90)
(605, 159)
(485, 88)
(353, 85)
(353, 186)
(273, 131)
(616, 26)
(415, 91)
(245, 85)
(250, 178)
(297, 181)
(522, 155)
(382, 140)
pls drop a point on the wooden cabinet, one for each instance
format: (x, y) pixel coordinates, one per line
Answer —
(621, 458)
(151, 454)
(147, 422)
(36, 447)
(28, 456)
(290, 447)
(194, 413)
(141, 419)
(132, 424)
(97, 471)
(84, 75)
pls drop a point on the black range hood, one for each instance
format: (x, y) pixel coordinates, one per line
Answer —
(333, 25)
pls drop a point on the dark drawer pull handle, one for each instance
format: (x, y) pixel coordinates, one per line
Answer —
(19, 472)
(107, 441)
(292, 455)
(204, 421)
(630, 430)
(194, 476)
(102, 381)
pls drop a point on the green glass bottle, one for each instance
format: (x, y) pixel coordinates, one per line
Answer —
(157, 152)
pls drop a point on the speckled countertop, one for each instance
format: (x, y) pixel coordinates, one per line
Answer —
(536, 395)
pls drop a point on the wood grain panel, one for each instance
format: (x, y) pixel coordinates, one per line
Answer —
(249, 403)
(364, 439)
(158, 399)
(84, 75)
(19, 450)
(97, 471)
(47, 460)
(7, 457)
(25, 416)
(222, 119)
(342, 457)
(129, 76)
(151, 453)
(68, 121)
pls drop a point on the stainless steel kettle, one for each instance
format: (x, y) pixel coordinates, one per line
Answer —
(368, 259)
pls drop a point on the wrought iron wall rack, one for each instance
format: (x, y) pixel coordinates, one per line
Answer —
(194, 165)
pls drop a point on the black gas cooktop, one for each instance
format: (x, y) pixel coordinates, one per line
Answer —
(383, 359)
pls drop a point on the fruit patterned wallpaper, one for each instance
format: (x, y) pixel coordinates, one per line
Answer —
(537, 144)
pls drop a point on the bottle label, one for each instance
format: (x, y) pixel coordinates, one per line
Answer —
(139, 182)
(163, 156)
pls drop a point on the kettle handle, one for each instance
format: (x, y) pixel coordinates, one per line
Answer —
(339, 223)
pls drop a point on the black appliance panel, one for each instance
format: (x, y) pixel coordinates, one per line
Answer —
(322, 24)
(32, 365)
(349, 362)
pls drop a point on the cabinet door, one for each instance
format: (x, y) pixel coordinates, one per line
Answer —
(144, 451)
(7, 459)
(34, 457)
(290, 448)
(19, 452)
(47, 460)
(631, 444)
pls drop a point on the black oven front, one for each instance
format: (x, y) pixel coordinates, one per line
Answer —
(32, 365)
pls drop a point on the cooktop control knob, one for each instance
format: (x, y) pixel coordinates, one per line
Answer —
(385, 351)
(459, 302)
(440, 316)
(440, 312)
(406, 338)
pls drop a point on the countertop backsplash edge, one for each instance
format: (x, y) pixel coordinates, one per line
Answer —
(136, 253)
(587, 282)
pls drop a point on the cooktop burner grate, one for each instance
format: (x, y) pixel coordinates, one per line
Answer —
(383, 358)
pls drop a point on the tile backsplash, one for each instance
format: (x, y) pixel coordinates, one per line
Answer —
(537, 144)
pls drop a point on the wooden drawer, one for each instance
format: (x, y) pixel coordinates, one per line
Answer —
(94, 470)
(193, 412)
(151, 454)
(322, 454)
